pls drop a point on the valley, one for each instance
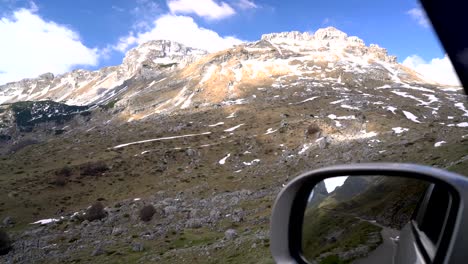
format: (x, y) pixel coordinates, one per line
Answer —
(208, 140)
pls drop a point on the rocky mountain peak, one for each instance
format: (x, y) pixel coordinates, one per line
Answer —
(330, 33)
(160, 52)
(291, 35)
(331, 41)
(47, 76)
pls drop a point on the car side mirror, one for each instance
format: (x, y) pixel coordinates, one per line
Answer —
(371, 213)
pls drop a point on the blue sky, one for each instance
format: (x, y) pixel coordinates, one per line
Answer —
(100, 32)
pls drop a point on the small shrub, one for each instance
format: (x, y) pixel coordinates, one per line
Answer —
(167, 65)
(60, 180)
(147, 212)
(95, 212)
(74, 238)
(65, 171)
(109, 105)
(61, 176)
(312, 130)
(93, 168)
(5, 243)
(59, 131)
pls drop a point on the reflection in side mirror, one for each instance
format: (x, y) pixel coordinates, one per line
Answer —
(368, 219)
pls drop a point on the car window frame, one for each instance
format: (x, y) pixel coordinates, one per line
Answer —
(428, 248)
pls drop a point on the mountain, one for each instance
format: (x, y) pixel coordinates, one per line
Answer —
(318, 194)
(327, 55)
(352, 187)
(389, 200)
(208, 139)
(82, 87)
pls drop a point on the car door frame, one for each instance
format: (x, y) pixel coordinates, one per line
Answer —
(427, 247)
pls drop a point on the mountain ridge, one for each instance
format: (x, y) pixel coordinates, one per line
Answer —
(85, 87)
(148, 60)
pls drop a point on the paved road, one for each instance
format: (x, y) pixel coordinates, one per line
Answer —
(385, 252)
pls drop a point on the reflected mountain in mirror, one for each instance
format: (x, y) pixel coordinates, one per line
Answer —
(358, 219)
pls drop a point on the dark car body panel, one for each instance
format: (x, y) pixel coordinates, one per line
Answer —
(407, 251)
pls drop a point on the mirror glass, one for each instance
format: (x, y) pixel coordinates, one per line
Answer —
(369, 219)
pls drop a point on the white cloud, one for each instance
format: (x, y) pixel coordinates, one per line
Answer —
(419, 15)
(438, 69)
(181, 29)
(31, 46)
(208, 9)
(246, 4)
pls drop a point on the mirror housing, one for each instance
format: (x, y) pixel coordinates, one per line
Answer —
(288, 210)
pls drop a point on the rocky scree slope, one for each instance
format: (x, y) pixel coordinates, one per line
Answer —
(219, 133)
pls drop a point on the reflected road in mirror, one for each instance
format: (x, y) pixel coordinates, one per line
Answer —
(358, 219)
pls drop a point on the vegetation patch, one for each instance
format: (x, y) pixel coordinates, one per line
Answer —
(95, 212)
(29, 113)
(109, 105)
(93, 168)
(323, 232)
